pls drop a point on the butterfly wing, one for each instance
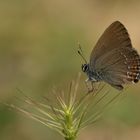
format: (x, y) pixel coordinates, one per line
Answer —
(114, 58)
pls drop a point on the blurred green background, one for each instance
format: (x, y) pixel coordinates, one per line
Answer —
(38, 50)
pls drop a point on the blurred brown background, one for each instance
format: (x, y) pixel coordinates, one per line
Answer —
(38, 44)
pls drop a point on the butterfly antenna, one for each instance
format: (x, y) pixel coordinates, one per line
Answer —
(80, 52)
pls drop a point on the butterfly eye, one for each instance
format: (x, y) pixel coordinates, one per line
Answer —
(84, 67)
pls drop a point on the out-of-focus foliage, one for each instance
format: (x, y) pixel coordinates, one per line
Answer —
(38, 50)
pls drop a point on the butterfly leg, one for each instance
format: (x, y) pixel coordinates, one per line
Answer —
(89, 87)
(94, 87)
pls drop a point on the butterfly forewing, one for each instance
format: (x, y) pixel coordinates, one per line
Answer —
(114, 37)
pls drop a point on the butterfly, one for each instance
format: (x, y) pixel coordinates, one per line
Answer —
(113, 59)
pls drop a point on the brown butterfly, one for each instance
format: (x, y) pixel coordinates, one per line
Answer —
(113, 59)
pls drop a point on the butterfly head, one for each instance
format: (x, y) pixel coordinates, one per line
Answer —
(85, 68)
